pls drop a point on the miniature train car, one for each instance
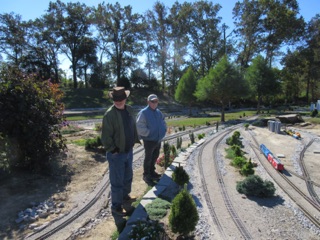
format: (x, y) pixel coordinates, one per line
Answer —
(275, 162)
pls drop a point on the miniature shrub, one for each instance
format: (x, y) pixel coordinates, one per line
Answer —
(247, 169)
(253, 185)
(183, 216)
(93, 143)
(166, 150)
(239, 162)
(234, 139)
(237, 151)
(201, 135)
(173, 150)
(157, 209)
(179, 142)
(191, 135)
(180, 176)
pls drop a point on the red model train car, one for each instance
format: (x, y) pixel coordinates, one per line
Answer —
(275, 162)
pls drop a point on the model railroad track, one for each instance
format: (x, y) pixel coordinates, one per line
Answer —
(228, 203)
(301, 177)
(306, 175)
(304, 202)
(69, 219)
(105, 188)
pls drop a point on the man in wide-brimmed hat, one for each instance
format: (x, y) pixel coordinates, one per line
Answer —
(119, 134)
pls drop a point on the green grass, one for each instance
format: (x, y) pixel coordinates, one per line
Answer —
(80, 142)
(194, 122)
(315, 120)
(82, 117)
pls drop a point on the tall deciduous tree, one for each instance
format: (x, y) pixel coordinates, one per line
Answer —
(186, 88)
(266, 25)
(179, 18)
(262, 80)
(294, 74)
(13, 41)
(247, 17)
(222, 84)
(205, 37)
(313, 40)
(120, 34)
(73, 25)
(44, 47)
(160, 31)
(87, 58)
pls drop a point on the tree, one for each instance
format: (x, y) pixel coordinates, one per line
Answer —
(178, 18)
(183, 216)
(43, 48)
(87, 58)
(262, 80)
(31, 114)
(293, 74)
(13, 41)
(247, 16)
(72, 23)
(120, 34)
(266, 26)
(222, 84)
(139, 78)
(313, 48)
(186, 88)
(160, 32)
(205, 37)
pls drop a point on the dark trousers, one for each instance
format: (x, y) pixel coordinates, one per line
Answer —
(152, 150)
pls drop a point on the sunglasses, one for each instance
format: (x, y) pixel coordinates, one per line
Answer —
(154, 101)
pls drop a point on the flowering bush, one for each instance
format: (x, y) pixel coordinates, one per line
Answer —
(160, 160)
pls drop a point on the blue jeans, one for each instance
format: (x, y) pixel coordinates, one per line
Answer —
(120, 176)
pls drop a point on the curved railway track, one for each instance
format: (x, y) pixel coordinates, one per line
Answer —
(307, 205)
(103, 188)
(223, 189)
(306, 175)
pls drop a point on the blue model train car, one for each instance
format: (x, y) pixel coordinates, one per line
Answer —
(275, 162)
(264, 150)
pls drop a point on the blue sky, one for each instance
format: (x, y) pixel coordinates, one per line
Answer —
(31, 9)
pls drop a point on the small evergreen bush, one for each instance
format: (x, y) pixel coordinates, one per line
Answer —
(180, 176)
(234, 139)
(191, 135)
(247, 169)
(183, 216)
(237, 150)
(166, 150)
(253, 185)
(93, 143)
(238, 162)
(157, 209)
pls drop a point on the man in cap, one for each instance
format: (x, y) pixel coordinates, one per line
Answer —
(119, 134)
(152, 128)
